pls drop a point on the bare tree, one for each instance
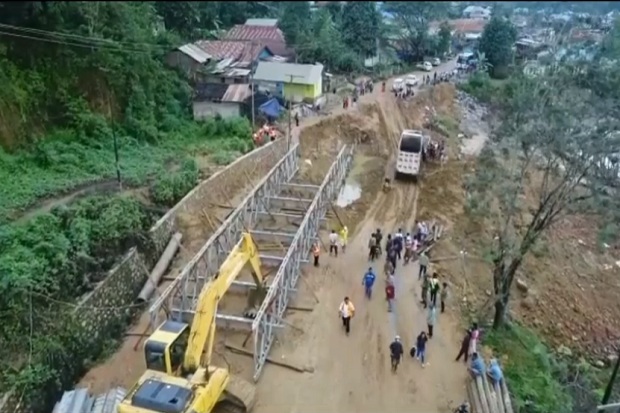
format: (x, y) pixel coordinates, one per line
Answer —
(549, 158)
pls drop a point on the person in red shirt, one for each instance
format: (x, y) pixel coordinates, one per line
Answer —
(389, 296)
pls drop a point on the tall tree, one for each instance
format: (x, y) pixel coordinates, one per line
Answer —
(444, 38)
(496, 43)
(295, 21)
(360, 23)
(412, 20)
(550, 159)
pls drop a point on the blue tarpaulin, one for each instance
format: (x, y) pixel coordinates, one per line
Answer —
(271, 108)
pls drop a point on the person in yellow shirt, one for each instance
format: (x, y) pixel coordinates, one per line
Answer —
(346, 312)
(344, 237)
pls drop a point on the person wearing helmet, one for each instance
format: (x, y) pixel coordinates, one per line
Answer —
(396, 353)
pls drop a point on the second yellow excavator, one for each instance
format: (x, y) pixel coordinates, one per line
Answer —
(178, 379)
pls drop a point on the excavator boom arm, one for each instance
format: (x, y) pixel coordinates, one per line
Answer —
(202, 332)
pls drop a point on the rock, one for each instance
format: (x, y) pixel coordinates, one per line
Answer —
(565, 351)
(487, 292)
(528, 303)
(522, 286)
(612, 358)
(599, 363)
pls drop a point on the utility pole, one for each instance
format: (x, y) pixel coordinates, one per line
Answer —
(115, 141)
(290, 106)
(252, 69)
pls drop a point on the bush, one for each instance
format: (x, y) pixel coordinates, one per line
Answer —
(65, 159)
(59, 256)
(170, 188)
(539, 382)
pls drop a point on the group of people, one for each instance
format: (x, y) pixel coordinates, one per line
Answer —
(436, 151)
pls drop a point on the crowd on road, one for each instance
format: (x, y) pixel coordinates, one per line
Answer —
(403, 248)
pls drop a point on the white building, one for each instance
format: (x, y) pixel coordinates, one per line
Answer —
(477, 12)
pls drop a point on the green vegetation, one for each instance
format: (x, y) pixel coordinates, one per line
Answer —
(63, 161)
(496, 45)
(170, 188)
(540, 381)
(59, 256)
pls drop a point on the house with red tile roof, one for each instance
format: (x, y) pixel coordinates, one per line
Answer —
(271, 36)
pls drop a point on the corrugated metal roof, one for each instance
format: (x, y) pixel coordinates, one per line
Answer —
(108, 402)
(282, 72)
(247, 32)
(80, 401)
(244, 51)
(75, 401)
(236, 72)
(237, 93)
(262, 22)
(195, 53)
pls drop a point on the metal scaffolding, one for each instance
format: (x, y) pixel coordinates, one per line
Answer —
(178, 300)
(273, 307)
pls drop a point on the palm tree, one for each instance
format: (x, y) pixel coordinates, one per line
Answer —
(483, 63)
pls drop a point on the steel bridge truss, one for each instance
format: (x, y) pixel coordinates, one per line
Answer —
(178, 300)
(283, 284)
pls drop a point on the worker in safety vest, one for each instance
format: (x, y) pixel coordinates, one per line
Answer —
(344, 237)
(316, 251)
(272, 134)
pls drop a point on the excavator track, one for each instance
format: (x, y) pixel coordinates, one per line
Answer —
(239, 397)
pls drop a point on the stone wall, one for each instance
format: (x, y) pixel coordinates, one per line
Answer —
(243, 173)
(109, 308)
(103, 314)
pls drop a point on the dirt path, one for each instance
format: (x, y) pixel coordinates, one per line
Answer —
(352, 374)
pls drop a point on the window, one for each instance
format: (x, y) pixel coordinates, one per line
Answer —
(177, 350)
(154, 356)
(411, 144)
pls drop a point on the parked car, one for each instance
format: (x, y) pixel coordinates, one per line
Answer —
(411, 80)
(436, 61)
(426, 66)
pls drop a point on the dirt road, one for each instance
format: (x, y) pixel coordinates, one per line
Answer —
(352, 374)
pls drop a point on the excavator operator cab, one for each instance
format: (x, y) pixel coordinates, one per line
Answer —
(165, 349)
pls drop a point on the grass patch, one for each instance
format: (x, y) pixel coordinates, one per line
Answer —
(531, 370)
(447, 125)
(64, 161)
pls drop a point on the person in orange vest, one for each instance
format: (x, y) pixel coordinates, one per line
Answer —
(272, 134)
(316, 251)
(255, 139)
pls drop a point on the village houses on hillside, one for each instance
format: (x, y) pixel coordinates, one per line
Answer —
(223, 71)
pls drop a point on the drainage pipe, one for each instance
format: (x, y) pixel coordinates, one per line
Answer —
(160, 268)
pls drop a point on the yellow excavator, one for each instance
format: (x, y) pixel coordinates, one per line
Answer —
(178, 379)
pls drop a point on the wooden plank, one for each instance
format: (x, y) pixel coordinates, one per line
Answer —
(474, 399)
(491, 397)
(500, 398)
(483, 397)
(289, 366)
(506, 397)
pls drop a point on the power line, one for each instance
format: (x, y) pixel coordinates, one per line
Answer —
(68, 43)
(83, 41)
(76, 37)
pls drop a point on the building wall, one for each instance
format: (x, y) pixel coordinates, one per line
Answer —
(298, 92)
(180, 60)
(205, 110)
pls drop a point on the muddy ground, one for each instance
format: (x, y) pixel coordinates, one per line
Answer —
(570, 295)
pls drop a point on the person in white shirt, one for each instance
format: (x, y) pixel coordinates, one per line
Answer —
(333, 243)
(346, 312)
